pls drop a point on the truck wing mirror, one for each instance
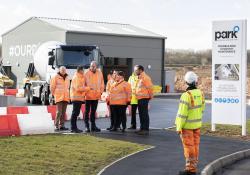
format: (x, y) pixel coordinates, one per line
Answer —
(51, 61)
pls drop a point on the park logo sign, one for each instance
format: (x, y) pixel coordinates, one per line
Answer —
(229, 73)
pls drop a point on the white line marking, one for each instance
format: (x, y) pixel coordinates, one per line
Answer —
(106, 167)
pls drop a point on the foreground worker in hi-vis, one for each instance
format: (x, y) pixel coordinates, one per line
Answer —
(188, 122)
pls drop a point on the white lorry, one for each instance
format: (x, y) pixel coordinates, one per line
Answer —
(47, 59)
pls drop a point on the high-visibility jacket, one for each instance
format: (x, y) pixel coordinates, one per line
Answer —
(120, 93)
(78, 88)
(191, 107)
(96, 84)
(144, 88)
(59, 87)
(133, 80)
(109, 84)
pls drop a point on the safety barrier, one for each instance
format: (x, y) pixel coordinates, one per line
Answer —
(35, 124)
(9, 125)
(28, 120)
(12, 92)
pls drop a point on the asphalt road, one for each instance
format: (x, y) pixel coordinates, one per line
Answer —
(162, 113)
(167, 156)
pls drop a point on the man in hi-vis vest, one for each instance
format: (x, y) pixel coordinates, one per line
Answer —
(188, 122)
(93, 80)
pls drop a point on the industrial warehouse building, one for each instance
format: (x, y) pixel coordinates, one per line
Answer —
(122, 45)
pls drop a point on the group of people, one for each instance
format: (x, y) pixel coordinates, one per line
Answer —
(88, 86)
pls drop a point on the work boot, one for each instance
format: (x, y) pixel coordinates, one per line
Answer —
(109, 128)
(63, 128)
(113, 130)
(76, 130)
(87, 130)
(132, 127)
(185, 172)
(95, 129)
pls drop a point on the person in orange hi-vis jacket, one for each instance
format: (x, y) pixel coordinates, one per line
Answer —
(94, 80)
(144, 93)
(59, 87)
(119, 99)
(77, 96)
(110, 83)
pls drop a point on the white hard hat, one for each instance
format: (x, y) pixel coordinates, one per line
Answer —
(191, 77)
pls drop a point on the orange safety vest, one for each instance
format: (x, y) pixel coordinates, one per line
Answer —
(59, 88)
(96, 83)
(120, 93)
(78, 88)
(144, 88)
(109, 85)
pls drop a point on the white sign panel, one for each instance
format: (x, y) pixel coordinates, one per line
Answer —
(229, 72)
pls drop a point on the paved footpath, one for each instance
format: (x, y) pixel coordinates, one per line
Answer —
(167, 156)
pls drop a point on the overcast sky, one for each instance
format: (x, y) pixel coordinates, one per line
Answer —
(186, 23)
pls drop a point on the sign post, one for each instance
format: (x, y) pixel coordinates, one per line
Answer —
(229, 73)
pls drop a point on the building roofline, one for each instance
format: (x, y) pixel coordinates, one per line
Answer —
(5, 33)
(87, 32)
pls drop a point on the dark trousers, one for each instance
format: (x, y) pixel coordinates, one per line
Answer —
(75, 113)
(133, 115)
(90, 106)
(143, 113)
(119, 112)
(111, 116)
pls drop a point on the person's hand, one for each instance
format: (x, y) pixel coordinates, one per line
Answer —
(128, 103)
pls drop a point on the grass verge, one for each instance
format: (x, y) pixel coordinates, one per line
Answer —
(228, 131)
(60, 154)
(231, 131)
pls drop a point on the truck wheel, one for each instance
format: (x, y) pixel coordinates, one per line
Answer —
(27, 94)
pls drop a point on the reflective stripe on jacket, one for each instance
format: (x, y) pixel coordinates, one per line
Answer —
(191, 107)
(133, 80)
(60, 88)
(144, 88)
(120, 93)
(96, 84)
(78, 88)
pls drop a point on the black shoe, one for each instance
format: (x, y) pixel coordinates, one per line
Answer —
(63, 128)
(95, 129)
(113, 129)
(57, 129)
(76, 131)
(109, 128)
(123, 130)
(185, 172)
(132, 127)
(87, 130)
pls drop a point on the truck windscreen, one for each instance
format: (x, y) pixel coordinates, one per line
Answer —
(74, 58)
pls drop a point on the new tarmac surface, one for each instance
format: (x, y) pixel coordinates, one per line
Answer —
(167, 156)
